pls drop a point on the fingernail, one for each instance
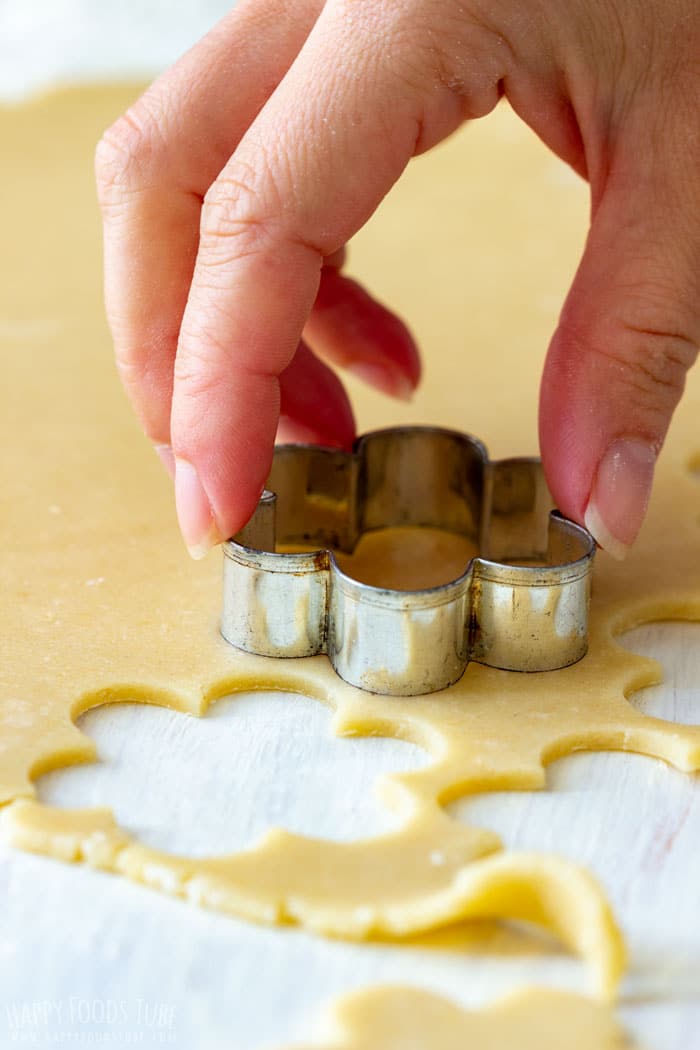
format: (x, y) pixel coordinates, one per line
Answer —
(194, 511)
(620, 495)
(389, 380)
(167, 458)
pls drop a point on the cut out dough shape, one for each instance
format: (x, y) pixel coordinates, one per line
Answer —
(398, 1018)
(100, 603)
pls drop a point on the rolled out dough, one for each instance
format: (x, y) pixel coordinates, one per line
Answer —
(101, 604)
(406, 1018)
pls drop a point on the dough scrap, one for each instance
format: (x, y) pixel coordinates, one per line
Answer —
(100, 603)
(401, 1018)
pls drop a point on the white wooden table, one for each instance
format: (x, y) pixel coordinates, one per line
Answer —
(76, 942)
(86, 956)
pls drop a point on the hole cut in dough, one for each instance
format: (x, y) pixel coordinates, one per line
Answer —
(622, 814)
(612, 792)
(626, 814)
(254, 762)
(676, 646)
(102, 605)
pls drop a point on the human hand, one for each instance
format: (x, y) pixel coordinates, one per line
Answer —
(230, 188)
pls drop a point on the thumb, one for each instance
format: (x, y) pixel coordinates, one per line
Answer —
(628, 334)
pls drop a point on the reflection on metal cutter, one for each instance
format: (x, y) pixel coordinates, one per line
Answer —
(519, 617)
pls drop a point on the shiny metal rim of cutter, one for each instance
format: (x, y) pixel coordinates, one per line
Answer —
(513, 616)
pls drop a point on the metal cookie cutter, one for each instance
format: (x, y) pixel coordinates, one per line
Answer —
(520, 617)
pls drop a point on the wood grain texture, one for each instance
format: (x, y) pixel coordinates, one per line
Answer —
(76, 944)
(79, 941)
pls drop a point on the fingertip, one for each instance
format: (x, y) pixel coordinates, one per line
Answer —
(388, 380)
(194, 511)
(620, 495)
(314, 405)
(594, 522)
(352, 330)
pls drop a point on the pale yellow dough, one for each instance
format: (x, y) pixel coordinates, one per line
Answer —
(100, 603)
(406, 1018)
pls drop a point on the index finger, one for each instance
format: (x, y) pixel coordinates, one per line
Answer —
(312, 168)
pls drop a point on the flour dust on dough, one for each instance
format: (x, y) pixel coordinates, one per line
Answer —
(101, 604)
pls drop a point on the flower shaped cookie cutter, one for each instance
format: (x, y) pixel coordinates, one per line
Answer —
(521, 604)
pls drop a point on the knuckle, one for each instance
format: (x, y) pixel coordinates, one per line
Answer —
(196, 381)
(125, 154)
(201, 355)
(117, 157)
(230, 211)
(652, 346)
(235, 218)
(138, 371)
(133, 371)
